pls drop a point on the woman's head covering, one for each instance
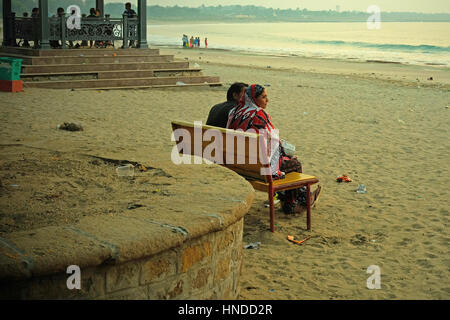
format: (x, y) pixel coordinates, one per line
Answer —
(254, 91)
(248, 114)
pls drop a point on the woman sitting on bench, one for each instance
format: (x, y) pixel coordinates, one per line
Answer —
(250, 114)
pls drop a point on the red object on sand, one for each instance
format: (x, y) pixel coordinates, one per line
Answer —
(291, 238)
(343, 178)
(11, 85)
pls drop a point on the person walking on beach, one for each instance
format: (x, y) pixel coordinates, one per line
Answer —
(218, 115)
(206, 43)
(250, 114)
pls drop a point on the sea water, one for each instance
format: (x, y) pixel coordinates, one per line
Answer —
(403, 42)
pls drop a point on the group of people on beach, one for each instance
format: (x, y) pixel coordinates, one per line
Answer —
(193, 42)
(245, 109)
(93, 14)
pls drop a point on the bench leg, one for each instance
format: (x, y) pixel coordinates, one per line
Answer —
(308, 207)
(272, 210)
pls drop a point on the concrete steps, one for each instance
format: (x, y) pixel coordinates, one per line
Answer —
(99, 59)
(105, 69)
(119, 74)
(89, 59)
(67, 68)
(75, 52)
(189, 85)
(128, 82)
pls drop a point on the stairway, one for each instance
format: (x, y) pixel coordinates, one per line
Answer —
(95, 69)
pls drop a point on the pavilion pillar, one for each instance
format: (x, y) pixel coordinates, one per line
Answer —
(44, 24)
(6, 22)
(142, 32)
(100, 5)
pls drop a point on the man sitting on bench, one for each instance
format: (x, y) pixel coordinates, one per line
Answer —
(250, 114)
(218, 116)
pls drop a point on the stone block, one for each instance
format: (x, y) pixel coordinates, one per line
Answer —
(223, 269)
(236, 281)
(158, 267)
(122, 276)
(223, 290)
(195, 254)
(239, 229)
(169, 289)
(138, 293)
(202, 278)
(53, 288)
(224, 240)
(93, 282)
(236, 255)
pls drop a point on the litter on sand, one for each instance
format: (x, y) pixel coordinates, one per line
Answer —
(253, 245)
(69, 126)
(361, 189)
(343, 178)
(291, 238)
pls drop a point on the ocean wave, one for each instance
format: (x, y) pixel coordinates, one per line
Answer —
(424, 48)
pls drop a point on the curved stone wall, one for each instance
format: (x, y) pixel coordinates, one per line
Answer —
(170, 250)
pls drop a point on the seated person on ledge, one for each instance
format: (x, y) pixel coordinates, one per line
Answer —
(250, 114)
(218, 116)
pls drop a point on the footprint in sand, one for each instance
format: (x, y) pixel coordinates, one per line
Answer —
(358, 240)
(417, 226)
(424, 263)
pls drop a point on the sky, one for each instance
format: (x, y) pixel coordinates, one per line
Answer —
(427, 6)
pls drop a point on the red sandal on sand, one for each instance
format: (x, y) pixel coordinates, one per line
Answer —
(343, 178)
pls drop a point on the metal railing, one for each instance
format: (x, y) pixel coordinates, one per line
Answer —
(103, 29)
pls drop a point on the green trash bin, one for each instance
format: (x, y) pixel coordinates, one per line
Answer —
(10, 68)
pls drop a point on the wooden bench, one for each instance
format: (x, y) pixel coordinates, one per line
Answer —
(210, 143)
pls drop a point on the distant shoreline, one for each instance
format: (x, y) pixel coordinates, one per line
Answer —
(168, 22)
(237, 21)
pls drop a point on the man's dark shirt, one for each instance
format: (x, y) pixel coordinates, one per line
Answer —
(130, 13)
(218, 116)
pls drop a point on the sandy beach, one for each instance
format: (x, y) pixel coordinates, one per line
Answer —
(384, 125)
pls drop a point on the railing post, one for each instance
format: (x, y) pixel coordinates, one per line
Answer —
(44, 29)
(142, 28)
(6, 25)
(125, 31)
(63, 31)
(12, 29)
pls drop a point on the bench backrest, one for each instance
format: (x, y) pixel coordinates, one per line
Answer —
(239, 151)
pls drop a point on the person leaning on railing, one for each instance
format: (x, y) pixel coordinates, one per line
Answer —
(59, 14)
(92, 15)
(36, 26)
(25, 43)
(130, 13)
